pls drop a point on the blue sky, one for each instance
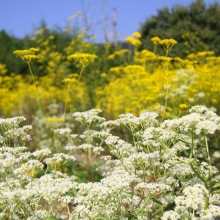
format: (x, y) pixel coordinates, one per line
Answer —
(22, 17)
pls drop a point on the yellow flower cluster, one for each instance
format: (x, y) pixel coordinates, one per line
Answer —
(136, 35)
(134, 68)
(27, 55)
(155, 40)
(165, 59)
(205, 53)
(73, 78)
(83, 58)
(3, 69)
(53, 120)
(123, 84)
(117, 53)
(167, 44)
(68, 80)
(134, 39)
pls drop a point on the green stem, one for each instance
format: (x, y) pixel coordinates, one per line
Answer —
(165, 77)
(207, 149)
(83, 67)
(65, 104)
(192, 147)
(197, 174)
(35, 83)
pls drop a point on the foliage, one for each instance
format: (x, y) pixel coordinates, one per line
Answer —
(150, 154)
(195, 27)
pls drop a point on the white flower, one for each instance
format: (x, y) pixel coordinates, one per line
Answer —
(41, 153)
(63, 131)
(89, 117)
(193, 197)
(206, 127)
(58, 158)
(170, 215)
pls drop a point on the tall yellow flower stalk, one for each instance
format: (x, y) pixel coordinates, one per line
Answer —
(167, 44)
(84, 59)
(29, 56)
(155, 40)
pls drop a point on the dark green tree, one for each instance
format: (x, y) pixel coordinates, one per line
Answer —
(7, 45)
(196, 27)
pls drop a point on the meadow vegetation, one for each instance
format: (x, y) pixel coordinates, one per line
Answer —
(109, 132)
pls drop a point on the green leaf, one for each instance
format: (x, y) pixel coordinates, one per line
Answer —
(156, 201)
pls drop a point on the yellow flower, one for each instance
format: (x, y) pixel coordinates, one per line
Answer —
(168, 43)
(3, 69)
(83, 58)
(111, 57)
(121, 52)
(191, 56)
(27, 55)
(178, 59)
(53, 120)
(156, 40)
(133, 41)
(117, 69)
(183, 106)
(39, 32)
(134, 68)
(136, 35)
(165, 59)
(147, 54)
(29, 58)
(205, 53)
(68, 80)
(21, 53)
(33, 49)
(104, 75)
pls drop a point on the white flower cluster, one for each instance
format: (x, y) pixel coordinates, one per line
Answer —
(134, 123)
(89, 117)
(62, 131)
(10, 131)
(104, 198)
(58, 158)
(200, 120)
(194, 198)
(156, 173)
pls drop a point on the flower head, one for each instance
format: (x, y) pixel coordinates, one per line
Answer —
(136, 35)
(167, 44)
(156, 40)
(27, 55)
(133, 41)
(83, 58)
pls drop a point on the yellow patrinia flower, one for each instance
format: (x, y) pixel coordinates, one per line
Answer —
(83, 58)
(134, 68)
(133, 41)
(27, 55)
(53, 120)
(168, 44)
(156, 40)
(136, 35)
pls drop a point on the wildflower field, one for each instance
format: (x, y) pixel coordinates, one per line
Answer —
(109, 132)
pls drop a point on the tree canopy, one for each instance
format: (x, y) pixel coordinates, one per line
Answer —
(196, 27)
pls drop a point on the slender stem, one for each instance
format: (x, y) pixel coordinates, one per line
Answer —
(207, 149)
(81, 71)
(65, 104)
(35, 83)
(165, 77)
(192, 147)
(67, 91)
(197, 174)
